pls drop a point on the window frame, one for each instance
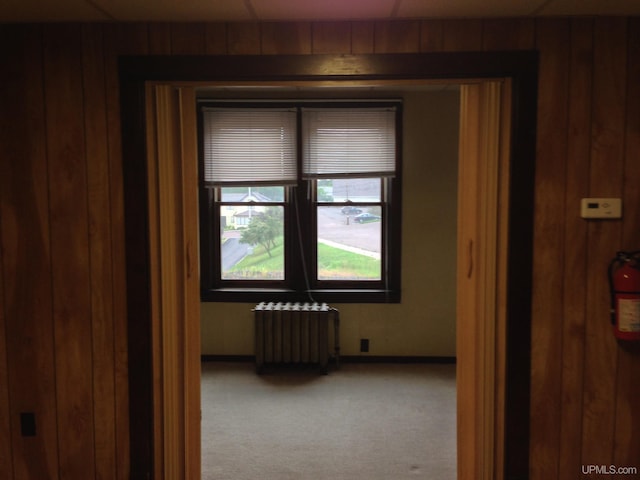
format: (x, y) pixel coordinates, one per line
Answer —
(218, 203)
(354, 284)
(301, 282)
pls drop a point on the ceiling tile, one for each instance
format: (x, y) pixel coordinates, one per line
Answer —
(591, 7)
(268, 10)
(37, 11)
(322, 9)
(174, 10)
(467, 8)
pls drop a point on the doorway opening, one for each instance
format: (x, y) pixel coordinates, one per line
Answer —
(162, 238)
(420, 328)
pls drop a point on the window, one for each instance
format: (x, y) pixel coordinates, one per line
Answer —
(300, 201)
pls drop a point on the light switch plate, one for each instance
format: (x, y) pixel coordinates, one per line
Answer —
(601, 208)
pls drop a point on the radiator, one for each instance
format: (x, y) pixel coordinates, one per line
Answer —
(295, 333)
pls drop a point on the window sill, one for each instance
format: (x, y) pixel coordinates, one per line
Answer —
(256, 295)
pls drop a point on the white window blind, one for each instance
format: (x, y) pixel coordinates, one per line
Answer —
(244, 146)
(342, 142)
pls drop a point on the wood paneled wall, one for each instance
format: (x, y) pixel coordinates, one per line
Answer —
(63, 344)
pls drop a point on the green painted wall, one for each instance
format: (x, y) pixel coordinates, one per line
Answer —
(423, 324)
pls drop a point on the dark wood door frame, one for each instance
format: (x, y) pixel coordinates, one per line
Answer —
(520, 67)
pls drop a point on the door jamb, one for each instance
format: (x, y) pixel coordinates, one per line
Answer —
(519, 67)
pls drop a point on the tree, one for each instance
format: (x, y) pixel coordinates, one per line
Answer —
(263, 229)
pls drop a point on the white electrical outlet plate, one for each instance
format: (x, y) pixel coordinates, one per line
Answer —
(601, 208)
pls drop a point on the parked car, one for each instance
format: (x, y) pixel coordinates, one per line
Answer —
(366, 217)
(351, 210)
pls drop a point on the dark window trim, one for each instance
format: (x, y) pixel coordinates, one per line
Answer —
(301, 283)
(520, 66)
(390, 207)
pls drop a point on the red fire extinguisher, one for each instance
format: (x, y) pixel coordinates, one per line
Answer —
(624, 281)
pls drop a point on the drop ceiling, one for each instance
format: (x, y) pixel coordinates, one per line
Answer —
(290, 10)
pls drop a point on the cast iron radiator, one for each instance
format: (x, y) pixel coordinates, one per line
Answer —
(295, 333)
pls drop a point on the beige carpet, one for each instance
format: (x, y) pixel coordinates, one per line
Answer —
(361, 422)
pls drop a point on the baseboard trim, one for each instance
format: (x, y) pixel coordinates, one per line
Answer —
(227, 358)
(345, 359)
(395, 359)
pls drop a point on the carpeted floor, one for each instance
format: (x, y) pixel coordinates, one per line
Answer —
(361, 422)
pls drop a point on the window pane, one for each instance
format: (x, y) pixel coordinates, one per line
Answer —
(252, 194)
(252, 242)
(349, 190)
(349, 244)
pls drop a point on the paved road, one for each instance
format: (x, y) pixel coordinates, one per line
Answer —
(333, 226)
(232, 252)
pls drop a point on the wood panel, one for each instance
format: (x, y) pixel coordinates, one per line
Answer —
(502, 34)
(546, 345)
(362, 37)
(244, 38)
(461, 35)
(286, 38)
(606, 175)
(159, 38)
(399, 36)
(431, 37)
(331, 37)
(26, 261)
(627, 440)
(70, 266)
(68, 145)
(188, 38)
(6, 457)
(216, 38)
(100, 256)
(575, 247)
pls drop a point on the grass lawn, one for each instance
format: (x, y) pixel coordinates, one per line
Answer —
(260, 265)
(333, 264)
(337, 264)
